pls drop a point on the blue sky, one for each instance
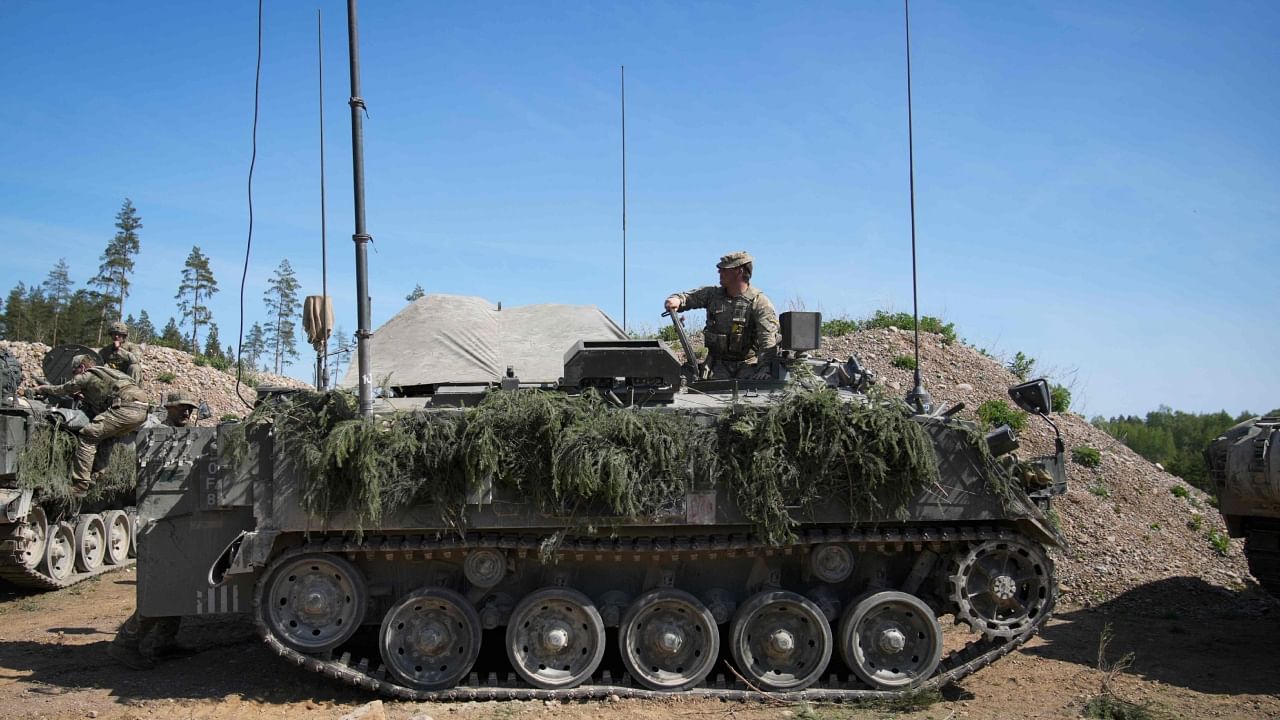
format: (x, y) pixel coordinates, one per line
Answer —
(1097, 183)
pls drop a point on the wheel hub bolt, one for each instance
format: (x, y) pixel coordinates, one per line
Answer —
(892, 641)
(781, 642)
(432, 639)
(556, 638)
(670, 640)
(1003, 587)
(314, 603)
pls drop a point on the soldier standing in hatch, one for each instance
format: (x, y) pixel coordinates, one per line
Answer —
(118, 407)
(123, 355)
(142, 640)
(741, 322)
(179, 407)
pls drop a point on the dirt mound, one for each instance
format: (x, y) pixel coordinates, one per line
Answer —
(165, 370)
(1126, 525)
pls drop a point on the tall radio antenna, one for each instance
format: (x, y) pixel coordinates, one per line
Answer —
(918, 397)
(322, 357)
(624, 198)
(361, 238)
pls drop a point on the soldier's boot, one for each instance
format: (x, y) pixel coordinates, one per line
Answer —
(126, 648)
(165, 643)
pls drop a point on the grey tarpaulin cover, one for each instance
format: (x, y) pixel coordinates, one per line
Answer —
(462, 339)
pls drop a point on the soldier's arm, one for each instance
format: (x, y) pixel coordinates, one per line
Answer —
(70, 387)
(765, 319)
(695, 299)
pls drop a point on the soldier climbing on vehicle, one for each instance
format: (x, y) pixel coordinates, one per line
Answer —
(118, 407)
(121, 354)
(742, 324)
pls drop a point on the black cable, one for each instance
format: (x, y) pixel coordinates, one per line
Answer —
(248, 247)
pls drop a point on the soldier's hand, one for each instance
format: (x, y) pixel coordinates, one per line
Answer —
(115, 342)
(42, 390)
(762, 374)
(673, 304)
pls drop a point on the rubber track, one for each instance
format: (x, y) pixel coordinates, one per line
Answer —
(954, 667)
(13, 570)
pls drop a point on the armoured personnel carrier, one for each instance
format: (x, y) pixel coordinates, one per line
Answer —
(509, 526)
(1244, 465)
(47, 541)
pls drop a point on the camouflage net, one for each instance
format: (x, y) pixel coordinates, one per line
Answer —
(577, 456)
(45, 465)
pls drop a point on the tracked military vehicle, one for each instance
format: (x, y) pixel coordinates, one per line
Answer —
(47, 541)
(802, 535)
(1244, 466)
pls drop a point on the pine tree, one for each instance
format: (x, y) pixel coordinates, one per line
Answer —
(280, 333)
(212, 345)
(193, 295)
(171, 336)
(254, 346)
(15, 313)
(144, 331)
(57, 292)
(117, 263)
(82, 320)
(339, 353)
(417, 293)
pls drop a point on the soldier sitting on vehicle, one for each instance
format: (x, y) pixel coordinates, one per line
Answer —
(741, 322)
(123, 355)
(118, 407)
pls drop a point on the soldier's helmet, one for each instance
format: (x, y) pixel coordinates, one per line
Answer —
(83, 359)
(734, 259)
(181, 397)
(119, 328)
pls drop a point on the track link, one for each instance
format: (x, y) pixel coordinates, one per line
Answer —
(15, 571)
(369, 675)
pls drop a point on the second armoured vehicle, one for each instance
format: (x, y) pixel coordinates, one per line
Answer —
(47, 541)
(518, 521)
(1244, 466)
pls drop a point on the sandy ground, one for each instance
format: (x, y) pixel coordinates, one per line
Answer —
(1198, 651)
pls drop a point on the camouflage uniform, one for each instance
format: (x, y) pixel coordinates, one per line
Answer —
(738, 328)
(128, 360)
(119, 407)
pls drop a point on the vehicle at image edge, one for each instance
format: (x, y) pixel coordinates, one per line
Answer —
(1244, 466)
(848, 608)
(47, 544)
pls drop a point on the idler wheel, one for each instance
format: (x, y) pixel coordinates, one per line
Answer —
(1001, 587)
(781, 640)
(430, 639)
(313, 602)
(891, 640)
(669, 640)
(36, 534)
(555, 638)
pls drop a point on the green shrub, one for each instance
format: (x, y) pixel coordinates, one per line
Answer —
(1086, 456)
(228, 417)
(839, 326)
(995, 413)
(906, 321)
(1221, 543)
(1061, 398)
(667, 333)
(906, 362)
(1099, 490)
(166, 377)
(199, 360)
(1179, 491)
(1196, 522)
(1021, 365)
